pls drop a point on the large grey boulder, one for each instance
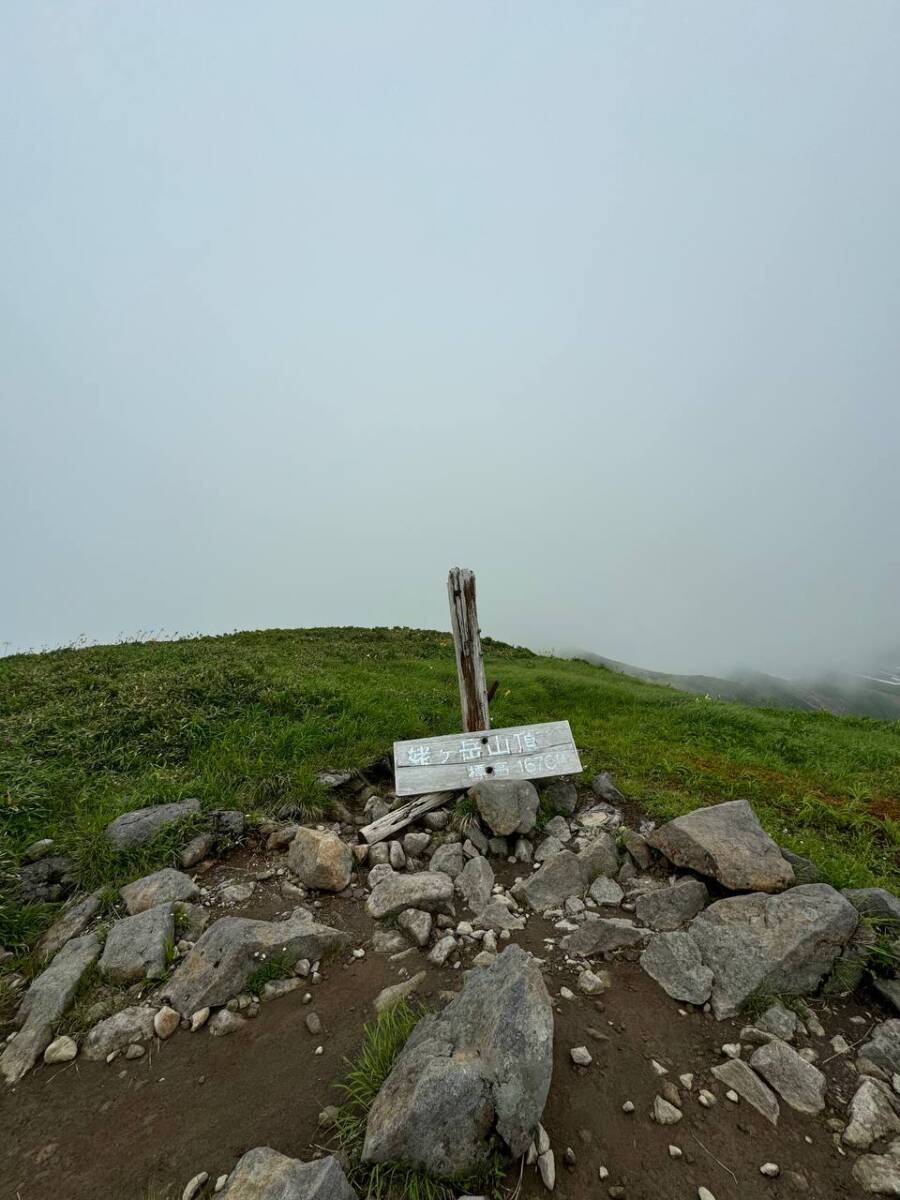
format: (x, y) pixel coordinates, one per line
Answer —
(872, 1113)
(44, 1003)
(227, 954)
(119, 1031)
(674, 961)
(776, 944)
(136, 947)
(264, 1174)
(799, 1083)
(431, 890)
(161, 887)
(141, 825)
(669, 908)
(874, 902)
(506, 805)
(69, 924)
(320, 860)
(726, 842)
(602, 935)
(448, 858)
(880, 1173)
(884, 1048)
(475, 883)
(483, 1065)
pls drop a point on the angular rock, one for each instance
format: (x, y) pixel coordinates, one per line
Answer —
(637, 847)
(36, 851)
(136, 947)
(70, 924)
(119, 1031)
(44, 1003)
(379, 871)
(483, 1064)
(737, 1075)
(799, 1083)
(880, 1173)
(448, 859)
(558, 827)
(560, 877)
(603, 786)
(805, 870)
(497, 915)
(390, 996)
(416, 924)
(506, 805)
(599, 857)
(227, 954)
(47, 880)
(872, 1115)
(141, 825)
(416, 843)
(602, 935)
(226, 1022)
(665, 1113)
(605, 892)
(264, 1174)
(889, 991)
(673, 960)
(475, 883)
(778, 1021)
(669, 908)
(884, 1048)
(161, 887)
(783, 945)
(62, 1050)
(562, 796)
(228, 823)
(198, 848)
(874, 902)
(431, 890)
(547, 848)
(727, 842)
(320, 860)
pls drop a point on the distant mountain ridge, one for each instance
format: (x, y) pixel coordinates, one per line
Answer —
(873, 693)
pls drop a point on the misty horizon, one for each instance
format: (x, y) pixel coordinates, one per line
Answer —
(298, 313)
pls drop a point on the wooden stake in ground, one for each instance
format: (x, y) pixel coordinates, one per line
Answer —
(467, 640)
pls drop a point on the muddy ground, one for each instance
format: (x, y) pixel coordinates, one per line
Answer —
(196, 1103)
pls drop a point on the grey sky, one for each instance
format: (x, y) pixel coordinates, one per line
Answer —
(302, 304)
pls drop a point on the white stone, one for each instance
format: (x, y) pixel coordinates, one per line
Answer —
(770, 1170)
(194, 1185)
(581, 1056)
(199, 1019)
(62, 1050)
(165, 1022)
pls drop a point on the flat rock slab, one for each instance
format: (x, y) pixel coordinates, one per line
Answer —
(737, 1075)
(880, 1173)
(872, 1113)
(884, 1048)
(119, 1031)
(506, 805)
(69, 924)
(227, 954)
(44, 1003)
(602, 935)
(783, 945)
(320, 860)
(136, 947)
(141, 825)
(726, 842)
(481, 1065)
(673, 960)
(161, 887)
(797, 1082)
(431, 890)
(264, 1174)
(670, 908)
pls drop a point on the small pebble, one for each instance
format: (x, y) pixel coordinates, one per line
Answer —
(732, 1095)
(628, 1107)
(704, 1194)
(675, 1152)
(581, 1056)
(770, 1170)
(706, 1098)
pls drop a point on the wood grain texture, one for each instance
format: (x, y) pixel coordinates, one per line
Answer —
(461, 760)
(387, 826)
(473, 696)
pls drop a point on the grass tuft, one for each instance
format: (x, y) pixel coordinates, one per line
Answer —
(276, 967)
(383, 1039)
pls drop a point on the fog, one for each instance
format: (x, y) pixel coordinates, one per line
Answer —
(303, 304)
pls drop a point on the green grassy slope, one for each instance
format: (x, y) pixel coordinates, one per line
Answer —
(246, 721)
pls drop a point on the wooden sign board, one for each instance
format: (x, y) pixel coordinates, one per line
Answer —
(459, 760)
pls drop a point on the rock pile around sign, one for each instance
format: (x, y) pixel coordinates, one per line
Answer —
(724, 921)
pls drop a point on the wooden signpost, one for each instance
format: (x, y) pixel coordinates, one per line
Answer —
(435, 769)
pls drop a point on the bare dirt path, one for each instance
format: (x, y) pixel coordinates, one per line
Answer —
(196, 1103)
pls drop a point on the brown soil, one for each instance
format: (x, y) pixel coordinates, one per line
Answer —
(196, 1103)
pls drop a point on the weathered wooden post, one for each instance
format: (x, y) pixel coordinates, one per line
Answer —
(473, 696)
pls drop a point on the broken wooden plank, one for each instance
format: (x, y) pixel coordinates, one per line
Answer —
(387, 826)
